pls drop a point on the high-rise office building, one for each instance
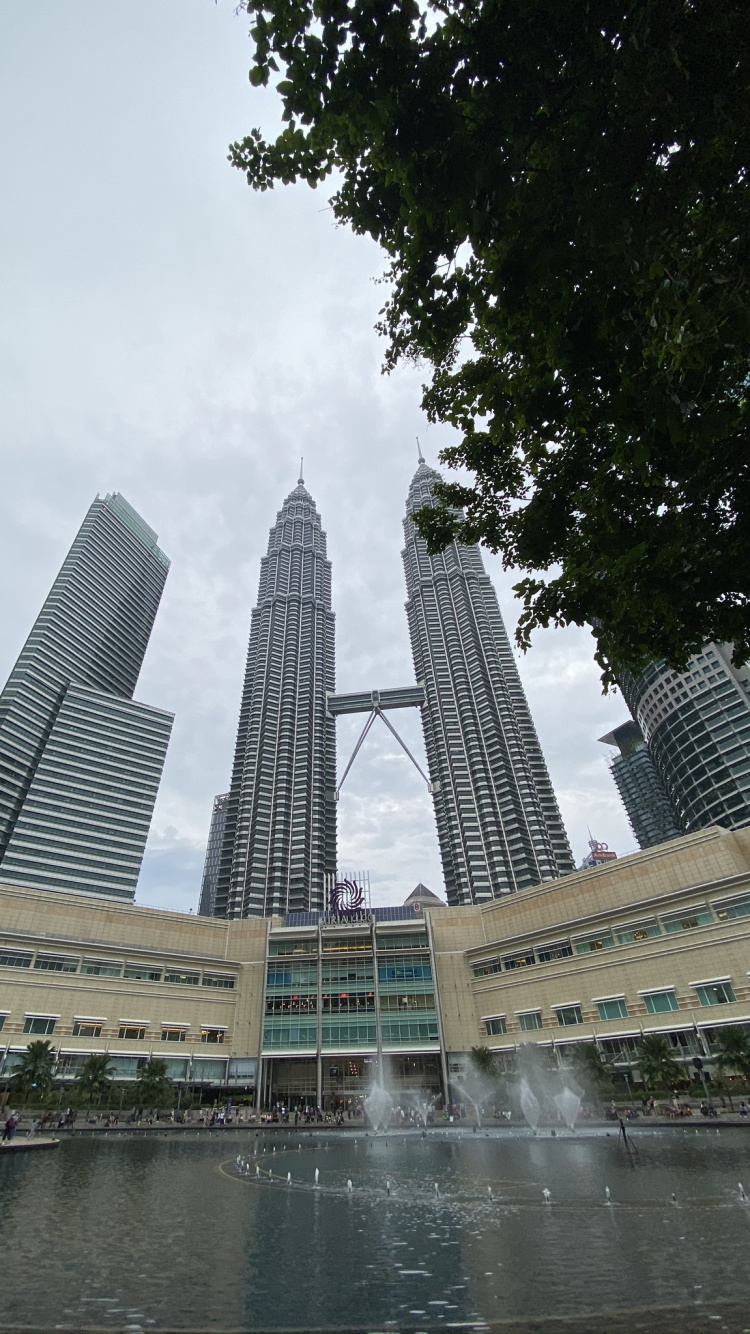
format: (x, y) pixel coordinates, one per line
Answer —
(212, 863)
(648, 807)
(280, 833)
(80, 761)
(697, 728)
(499, 827)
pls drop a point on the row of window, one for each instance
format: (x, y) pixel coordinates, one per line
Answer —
(43, 1025)
(277, 1036)
(411, 940)
(286, 977)
(607, 939)
(348, 1003)
(71, 963)
(657, 1002)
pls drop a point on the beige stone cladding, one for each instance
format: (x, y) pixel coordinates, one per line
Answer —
(123, 979)
(454, 931)
(659, 941)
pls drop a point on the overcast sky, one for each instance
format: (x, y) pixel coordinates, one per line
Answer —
(169, 334)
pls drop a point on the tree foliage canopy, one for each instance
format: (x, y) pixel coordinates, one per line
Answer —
(732, 1050)
(95, 1076)
(153, 1085)
(35, 1069)
(656, 1061)
(562, 192)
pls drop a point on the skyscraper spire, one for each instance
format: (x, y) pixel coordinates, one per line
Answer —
(301, 479)
(280, 835)
(498, 824)
(419, 451)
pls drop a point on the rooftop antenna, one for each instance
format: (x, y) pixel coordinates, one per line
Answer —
(419, 451)
(300, 479)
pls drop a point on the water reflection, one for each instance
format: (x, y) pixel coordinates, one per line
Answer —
(155, 1233)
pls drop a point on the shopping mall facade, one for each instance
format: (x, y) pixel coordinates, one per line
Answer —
(309, 1008)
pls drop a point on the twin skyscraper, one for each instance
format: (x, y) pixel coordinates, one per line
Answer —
(272, 844)
(81, 760)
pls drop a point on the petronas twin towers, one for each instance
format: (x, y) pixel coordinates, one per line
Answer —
(498, 823)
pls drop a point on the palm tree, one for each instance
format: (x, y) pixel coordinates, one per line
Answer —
(591, 1067)
(94, 1077)
(731, 1048)
(656, 1062)
(482, 1060)
(35, 1068)
(152, 1083)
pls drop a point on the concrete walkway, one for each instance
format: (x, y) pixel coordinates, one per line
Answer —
(24, 1145)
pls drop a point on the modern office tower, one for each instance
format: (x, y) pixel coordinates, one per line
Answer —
(648, 807)
(697, 727)
(280, 834)
(498, 823)
(213, 856)
(80, 761)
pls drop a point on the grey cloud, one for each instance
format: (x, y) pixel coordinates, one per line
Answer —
(169, 334)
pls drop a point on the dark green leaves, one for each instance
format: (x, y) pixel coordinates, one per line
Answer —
(562, 192)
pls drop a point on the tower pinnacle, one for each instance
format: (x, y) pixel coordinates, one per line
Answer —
(419, 451)
(300, 479)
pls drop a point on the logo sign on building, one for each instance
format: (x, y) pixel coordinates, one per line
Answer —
(348, 898)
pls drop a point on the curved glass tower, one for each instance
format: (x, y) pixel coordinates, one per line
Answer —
(498, 822)
(697, 727)
(280, 833)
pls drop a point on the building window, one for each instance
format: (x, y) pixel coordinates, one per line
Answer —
(591, 944)
(277, 947)
(86, 1030)
(495, 1027)
(567, 1015)
(530, 1020)
(716, 993)
(619, 1050)
(612, 1009)
(173, 1035)
(740, 908)
(101, 968)
(3, 1017)
(486, 968)
(414, 940)
(346, 944)
(14, 959)
(212, 1035)
(640, 931)
(138, 973)
(56, 964)
(660, 1002)
(561, 950)
(218, 980)
(38, 1024)
(524, 960)
(686, 921)
(183, 979)
(132, 1032)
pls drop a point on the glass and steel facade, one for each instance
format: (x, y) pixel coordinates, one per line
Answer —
(80, 761)
(213, 856)
(348, 999)
(697, 727)
(498, 822)
(280, 833)
(648, 807)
